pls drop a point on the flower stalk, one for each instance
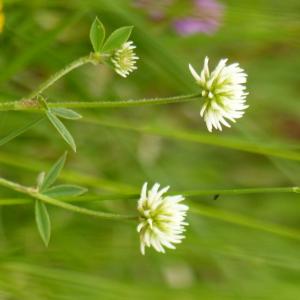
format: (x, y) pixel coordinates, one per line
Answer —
(187, 194)
(34, 193)
(262, 190)
(31, 102)
(34, 104)
(93, 58)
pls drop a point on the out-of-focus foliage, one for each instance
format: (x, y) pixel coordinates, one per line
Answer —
(94, 259)
(2, 17)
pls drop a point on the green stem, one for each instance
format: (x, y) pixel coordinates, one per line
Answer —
(32, 192)
(126, 103)
(294, 189)
(12, 105)
(237, 191)
(135, 196)
(73, 65)
(34, 105)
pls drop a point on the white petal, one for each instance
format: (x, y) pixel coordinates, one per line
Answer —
(144, 191)
(194, 73)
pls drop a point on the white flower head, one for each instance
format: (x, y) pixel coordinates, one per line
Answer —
(124, 59)
(223, 91)
(162, 219)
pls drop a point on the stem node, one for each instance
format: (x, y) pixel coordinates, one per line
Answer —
(28, 104)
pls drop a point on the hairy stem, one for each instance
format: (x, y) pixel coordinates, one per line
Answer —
(34, 105)
(264, 190)
(34, 193)
(73, 65)
(188, 194)
(126, 103)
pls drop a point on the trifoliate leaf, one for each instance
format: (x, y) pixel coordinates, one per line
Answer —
(97, 35)
(42, 221)
(66, 113)
(117, 38)
(54, 172)
(65, 190)
(60, 127)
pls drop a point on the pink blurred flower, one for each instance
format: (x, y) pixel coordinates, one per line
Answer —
(156, 9)
(202, 16)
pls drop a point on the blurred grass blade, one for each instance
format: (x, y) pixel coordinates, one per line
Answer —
(13, 134)
(43, 221)
(66, 113)
(61, 128)
(33, 165)
(201, 138)
(117, 38)
(54, 172)
(14, 201)
(238, 219)
(36, 46)
(65, 190)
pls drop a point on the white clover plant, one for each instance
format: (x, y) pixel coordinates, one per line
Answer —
(161, 219)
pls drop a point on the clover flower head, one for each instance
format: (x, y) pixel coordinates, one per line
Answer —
(223, 91)
(124, 59)
(162, 219)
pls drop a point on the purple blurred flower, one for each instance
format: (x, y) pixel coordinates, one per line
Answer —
(201, 16)
(206, 18)
(189, 26)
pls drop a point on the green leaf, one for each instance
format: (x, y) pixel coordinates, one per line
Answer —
(40, 180)
(117, 38)
(65, 190)
(97, 35)
(54, 172)
(43, 221)
(60, 127)
(66, 113)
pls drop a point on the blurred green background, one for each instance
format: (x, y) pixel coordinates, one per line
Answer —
(237, 247)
